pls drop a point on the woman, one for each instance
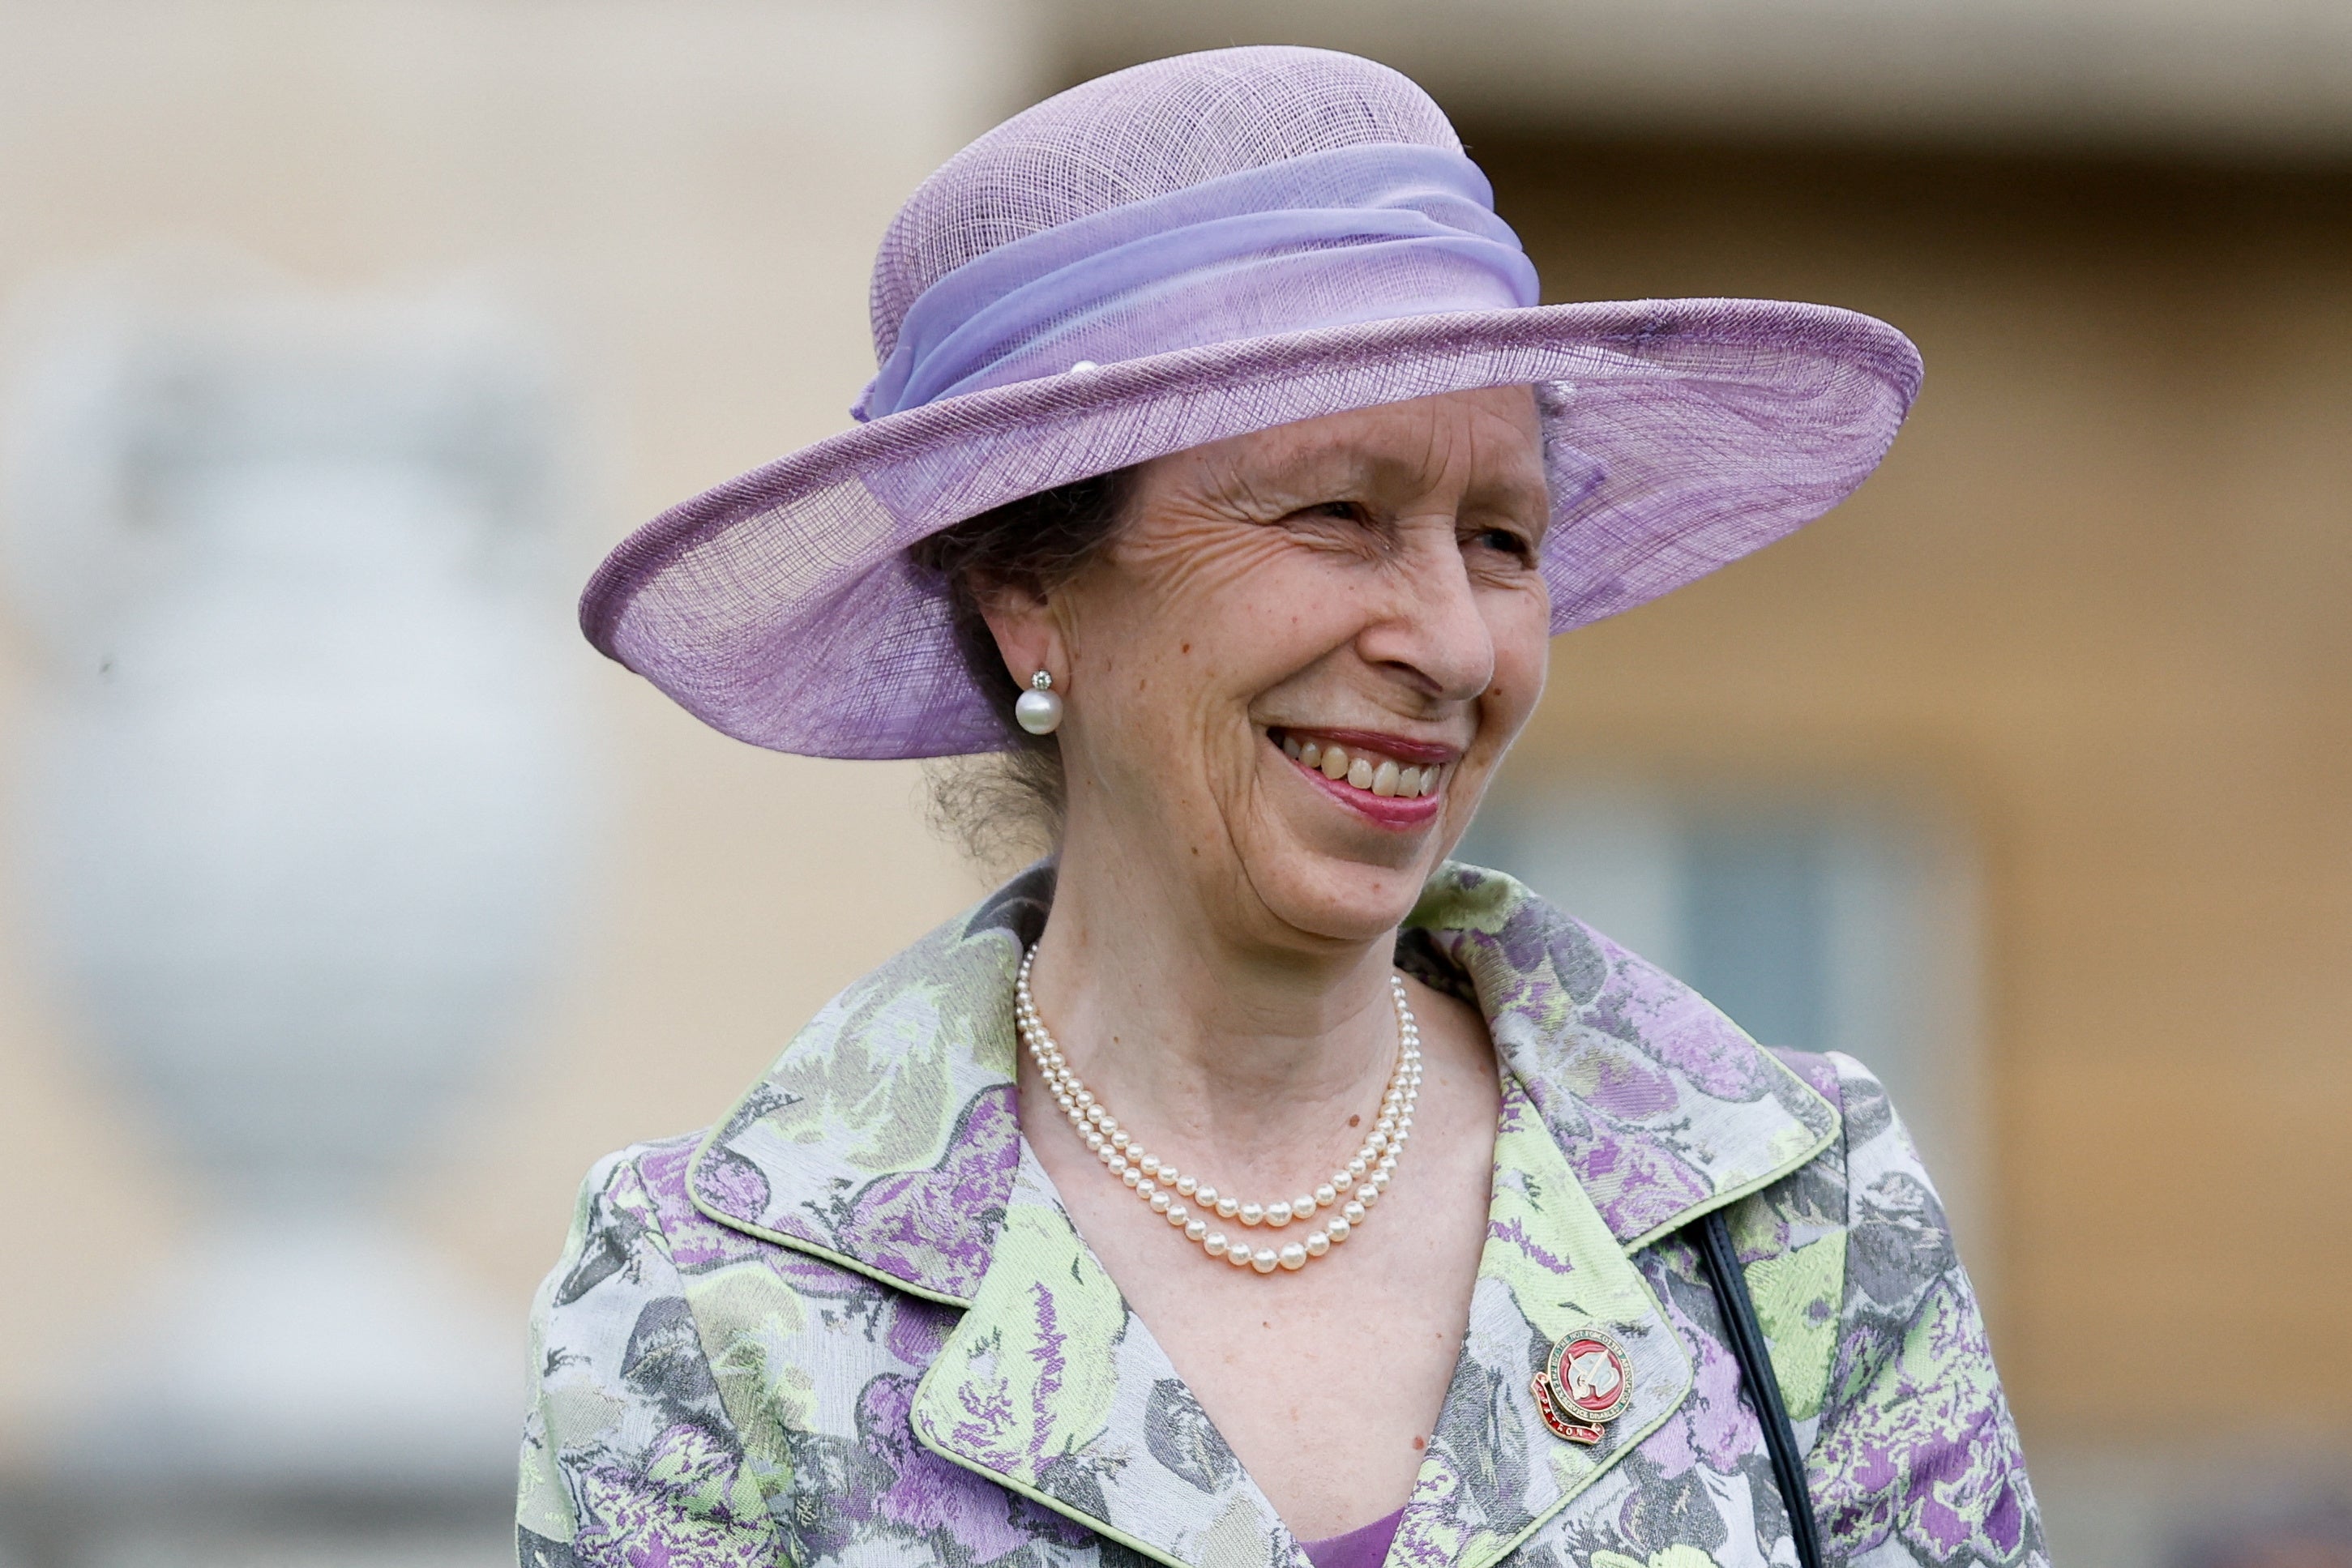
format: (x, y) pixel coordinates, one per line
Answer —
(1246, 1178)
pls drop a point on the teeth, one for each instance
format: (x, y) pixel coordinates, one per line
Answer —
(1386, 777)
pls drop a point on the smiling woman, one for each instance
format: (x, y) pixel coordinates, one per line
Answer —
(1222, 474)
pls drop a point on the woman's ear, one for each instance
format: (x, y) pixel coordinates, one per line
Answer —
(1028, 635)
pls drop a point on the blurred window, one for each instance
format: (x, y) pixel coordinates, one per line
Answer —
(1824, 923)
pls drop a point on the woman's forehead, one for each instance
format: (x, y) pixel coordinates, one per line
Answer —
(1486, 439)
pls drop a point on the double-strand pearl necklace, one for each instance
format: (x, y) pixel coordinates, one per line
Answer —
(1352, 1189)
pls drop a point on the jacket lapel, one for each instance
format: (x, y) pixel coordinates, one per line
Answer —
(1051, 1386)
(886, 1136)
(1550, 1268)
(1630, 1107)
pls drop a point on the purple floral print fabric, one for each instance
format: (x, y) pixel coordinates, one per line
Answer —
(855, 1325)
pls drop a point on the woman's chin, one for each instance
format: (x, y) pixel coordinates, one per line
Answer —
(1339, 900)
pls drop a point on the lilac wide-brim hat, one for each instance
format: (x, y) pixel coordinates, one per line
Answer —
(1183, 251)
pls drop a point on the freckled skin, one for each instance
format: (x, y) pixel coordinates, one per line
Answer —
(1216, 963)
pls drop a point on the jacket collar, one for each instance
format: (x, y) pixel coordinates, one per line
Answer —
(885, 1140)
(884, 1137)
(1664, 1107)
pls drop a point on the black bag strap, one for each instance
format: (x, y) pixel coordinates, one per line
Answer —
(1763, 1386)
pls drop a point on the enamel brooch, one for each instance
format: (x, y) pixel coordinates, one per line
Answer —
(1586, 1382)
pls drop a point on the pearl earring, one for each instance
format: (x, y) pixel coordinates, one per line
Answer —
(1039, 711)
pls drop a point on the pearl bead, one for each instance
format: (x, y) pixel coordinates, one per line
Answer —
(1196, 1230)
(1368, 1194)
(1123, 1140)
(1176, 1212)
(1380, 1180)
(1094, 1143)
(1151, 1164)
(1277, 1215)
(1253, 1214)
(1379, 1140)
(1083, 1098)
(1327, 1195)
(1146, 1188)
(1238, 1255)
(1359, 1166)
(1207, 1195)
(1131, 1176)
(1265, 1258)
(1228, 1206)
(1341, 1182)
(1317, 1243)
(1188, 1185)
(1160, 1202)
(1352, 1212)
(1039, 713)
(1292, 1257)
(1213, 1243)
(1338, 1229)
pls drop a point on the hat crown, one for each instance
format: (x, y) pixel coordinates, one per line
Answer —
(1133, 135)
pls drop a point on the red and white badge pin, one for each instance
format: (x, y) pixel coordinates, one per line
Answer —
(1586, 1382)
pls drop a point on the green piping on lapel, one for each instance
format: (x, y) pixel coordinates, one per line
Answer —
(923, 1436)
(797, 1243)
(1750, 1188)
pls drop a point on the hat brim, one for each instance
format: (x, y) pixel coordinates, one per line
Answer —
(781, 608)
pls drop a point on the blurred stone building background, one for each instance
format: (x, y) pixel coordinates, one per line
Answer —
(2028, 775)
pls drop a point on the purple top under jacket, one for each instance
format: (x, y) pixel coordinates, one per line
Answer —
(1365, 1548)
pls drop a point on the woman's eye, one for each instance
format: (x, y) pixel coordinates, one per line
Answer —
(1507, 540)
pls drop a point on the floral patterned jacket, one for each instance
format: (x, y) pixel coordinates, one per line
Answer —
(855, 1325)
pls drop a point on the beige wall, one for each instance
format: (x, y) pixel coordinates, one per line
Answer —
(687, 197)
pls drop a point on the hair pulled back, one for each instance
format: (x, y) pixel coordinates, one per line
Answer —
(1011, 801)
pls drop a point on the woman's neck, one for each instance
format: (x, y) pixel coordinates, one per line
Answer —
(1248, 1054)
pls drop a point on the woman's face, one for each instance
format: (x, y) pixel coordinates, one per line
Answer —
(1292, 675)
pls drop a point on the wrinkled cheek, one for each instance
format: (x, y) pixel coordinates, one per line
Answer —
(1523, 659)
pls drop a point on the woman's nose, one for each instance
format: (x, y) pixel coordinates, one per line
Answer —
(1433, 626)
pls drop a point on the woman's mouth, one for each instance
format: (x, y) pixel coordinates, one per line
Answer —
(1393, 781)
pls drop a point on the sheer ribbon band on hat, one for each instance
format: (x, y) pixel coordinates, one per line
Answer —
(1354, 234)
